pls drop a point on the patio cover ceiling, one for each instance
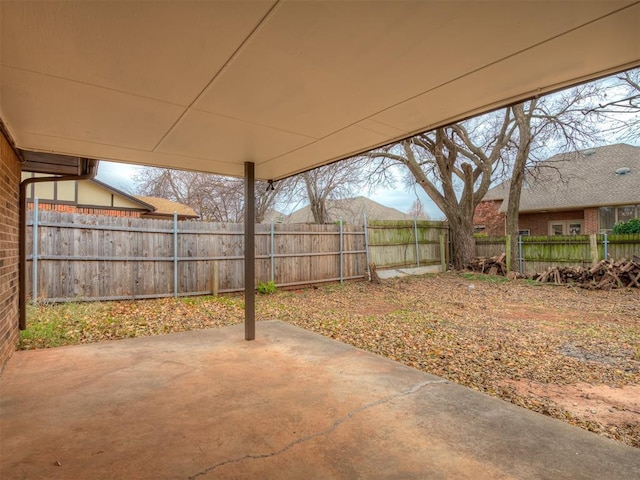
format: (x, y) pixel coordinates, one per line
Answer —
(287, 85)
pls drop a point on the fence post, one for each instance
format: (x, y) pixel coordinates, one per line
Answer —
(507, 248)
(606, 246)
(415, 235)
(34, 256)
(593, 246)
(175, 254)
(272, 252)
(341, 254)
(443, 254)
(215, 279)
(520, 259)
(366, 248)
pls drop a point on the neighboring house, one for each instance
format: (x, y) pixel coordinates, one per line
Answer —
(275, 217)
(164, 209)
(351, 211)
(97, 198)
(570, 194)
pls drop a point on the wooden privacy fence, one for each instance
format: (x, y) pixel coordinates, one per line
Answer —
(407, 243)
(86, 257)
(537, 254)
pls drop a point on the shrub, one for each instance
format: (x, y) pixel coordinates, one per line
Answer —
(267, 288)
(631, 226)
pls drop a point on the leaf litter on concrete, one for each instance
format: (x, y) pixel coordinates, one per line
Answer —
(569, 353)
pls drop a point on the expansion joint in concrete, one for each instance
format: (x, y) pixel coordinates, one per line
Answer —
(321, 433)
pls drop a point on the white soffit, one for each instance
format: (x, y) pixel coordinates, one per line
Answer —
(288, 85)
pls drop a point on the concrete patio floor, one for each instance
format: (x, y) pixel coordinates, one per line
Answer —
(291, 404)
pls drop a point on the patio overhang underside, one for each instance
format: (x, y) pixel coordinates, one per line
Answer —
(286, 85)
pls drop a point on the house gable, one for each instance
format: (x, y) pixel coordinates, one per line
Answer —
(83, 196)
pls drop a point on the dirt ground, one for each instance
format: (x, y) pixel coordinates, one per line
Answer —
(566, 352)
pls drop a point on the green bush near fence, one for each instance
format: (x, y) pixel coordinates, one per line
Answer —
(267, 288)
(631, 226)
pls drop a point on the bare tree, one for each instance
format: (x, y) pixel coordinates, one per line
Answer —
(456, 165)
(620, 105)
(417, 209)
(215, 198)
(555, 120)
(339, 180)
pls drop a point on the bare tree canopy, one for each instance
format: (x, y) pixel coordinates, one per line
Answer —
(339, 180)
(417, 210)
(215, 198)
(619, 105)
(221, 199)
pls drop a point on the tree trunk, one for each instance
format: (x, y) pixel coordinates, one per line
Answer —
(523, 121)
(319, 211)
(462, 241)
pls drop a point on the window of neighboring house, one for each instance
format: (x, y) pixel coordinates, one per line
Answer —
(626, 213)
(566, 227)
(606, 218)
(526, 232)
(479, 229)
(609, 216)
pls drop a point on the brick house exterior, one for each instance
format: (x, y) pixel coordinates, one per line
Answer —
(9, 260)
(583, 193)
(53, 207)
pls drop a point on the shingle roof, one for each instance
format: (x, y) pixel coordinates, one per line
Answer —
(351, 210)
(168, 207)
(579, 179)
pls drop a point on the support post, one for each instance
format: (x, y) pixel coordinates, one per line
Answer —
(507, 248)
(215, 278)
(175, 254)
(443, 254)
(249, 252)
(34, 256)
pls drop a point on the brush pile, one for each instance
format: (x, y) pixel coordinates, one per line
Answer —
(489, 265)
(605, 275)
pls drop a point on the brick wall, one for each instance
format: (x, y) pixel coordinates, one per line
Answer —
(538, 223)
(487, 213)
(591, 220)
(9, 260)
(59, 207)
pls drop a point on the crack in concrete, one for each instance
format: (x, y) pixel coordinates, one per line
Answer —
(326, 431)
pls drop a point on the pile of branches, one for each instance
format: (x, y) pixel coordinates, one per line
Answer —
(605, 275)
(490, 265)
